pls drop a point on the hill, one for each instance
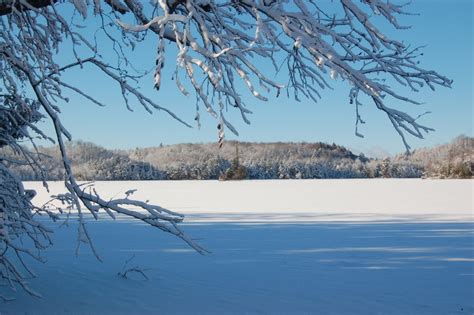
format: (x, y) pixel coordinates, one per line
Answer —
(279, 160)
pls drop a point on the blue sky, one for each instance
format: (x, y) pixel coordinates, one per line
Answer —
(444, 26)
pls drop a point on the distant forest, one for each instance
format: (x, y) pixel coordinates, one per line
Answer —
(238, 160)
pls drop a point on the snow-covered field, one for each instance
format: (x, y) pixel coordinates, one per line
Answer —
(282, 247)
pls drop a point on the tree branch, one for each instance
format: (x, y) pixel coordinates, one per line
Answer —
(7, 6)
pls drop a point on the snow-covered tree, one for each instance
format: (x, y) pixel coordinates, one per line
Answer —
(218, 47)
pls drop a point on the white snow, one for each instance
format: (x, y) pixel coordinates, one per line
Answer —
(285, 246)
(299, 200)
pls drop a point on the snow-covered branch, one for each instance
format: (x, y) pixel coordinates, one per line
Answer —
(227, 40)
(223, 47)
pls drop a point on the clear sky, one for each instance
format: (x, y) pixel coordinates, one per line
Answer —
(444, 26)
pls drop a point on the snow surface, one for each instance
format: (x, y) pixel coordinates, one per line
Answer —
(299, 200)
(391, 246)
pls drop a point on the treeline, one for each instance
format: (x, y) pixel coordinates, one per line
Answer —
(249, 160)
(452, 160)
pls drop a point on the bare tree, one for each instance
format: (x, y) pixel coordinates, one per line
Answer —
(220, 46)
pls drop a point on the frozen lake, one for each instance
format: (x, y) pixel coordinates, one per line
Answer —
(299, 200)
(282, 247)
